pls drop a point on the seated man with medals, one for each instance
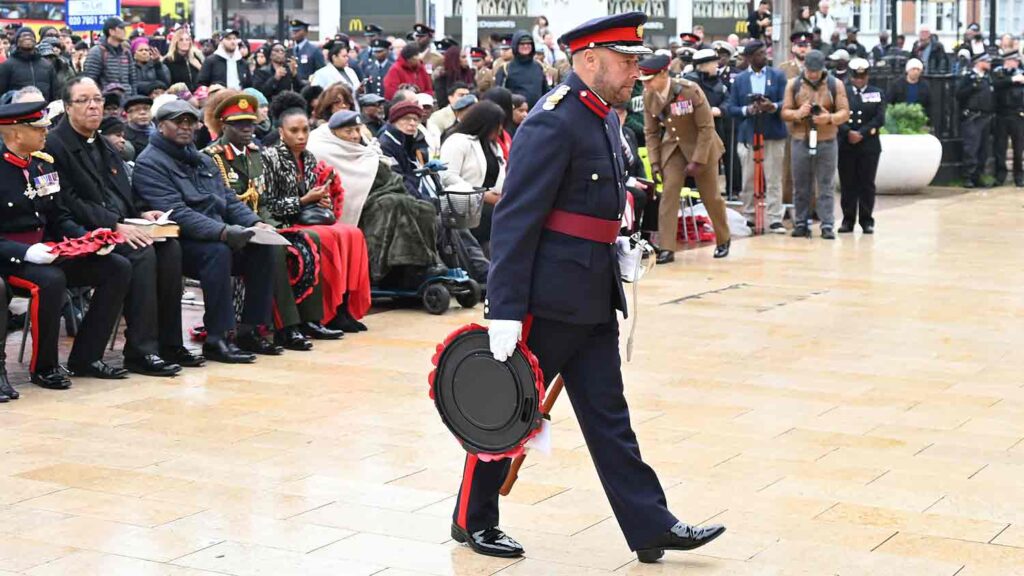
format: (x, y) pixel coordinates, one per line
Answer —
(32, 213)
(297, 315)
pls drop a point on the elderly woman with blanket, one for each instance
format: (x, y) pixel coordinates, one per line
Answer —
(401, 231)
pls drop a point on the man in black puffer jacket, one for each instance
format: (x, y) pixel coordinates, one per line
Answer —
(26, 67)
(523, 75)
(110, 61)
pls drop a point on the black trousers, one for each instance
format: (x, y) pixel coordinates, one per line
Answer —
(857, 169)
(645, 211)
(3, 321)
(110, 276)
(587, 357)
(213, 264)
(975, 130)
(152, 310)
(1008, 128)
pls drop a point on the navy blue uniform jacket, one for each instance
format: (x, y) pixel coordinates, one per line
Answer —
(568, 158)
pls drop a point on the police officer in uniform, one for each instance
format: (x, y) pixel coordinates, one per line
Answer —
(241, 166)
(859, 149)
(371, 32)
(557, 225)
(975, 93)
(309, 56)
(376, 66)
(31, 213)
(1009, 85)
(679, 130)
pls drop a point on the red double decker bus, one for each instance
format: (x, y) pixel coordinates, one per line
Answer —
(36, 13)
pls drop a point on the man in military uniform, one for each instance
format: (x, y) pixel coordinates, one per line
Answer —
(706, 75)
(800, 44)
(483, 76)
(1009, 127)
(241, 167)
(372, 33)
(31, 213)
(557, 224)
(975, 93)
(376, 66)
(859, 149)
(679, 129)
(423, 35)
(308, 55)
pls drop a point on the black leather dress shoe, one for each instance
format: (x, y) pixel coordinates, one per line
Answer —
(226, 352)
(845, 229)
(6, 390)
(52, 379)
(666, 257)
(257, 344)
(151, 365)
(828, 234)
(722, 250)
(292, 339)
(970, 184)
(679, 537)
(868, 229)
(318, 331)
(490, 542)
(1018, 183)
(346, 323)
(801, 232)
(99, 369)
(183, 357)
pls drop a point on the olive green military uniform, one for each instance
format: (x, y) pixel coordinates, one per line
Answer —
(243, 173)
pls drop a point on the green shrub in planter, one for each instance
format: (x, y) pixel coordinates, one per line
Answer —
(905, 118)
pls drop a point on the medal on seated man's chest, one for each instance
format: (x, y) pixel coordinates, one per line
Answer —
(43, 185)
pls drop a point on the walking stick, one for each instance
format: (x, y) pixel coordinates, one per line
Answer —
(549, 402)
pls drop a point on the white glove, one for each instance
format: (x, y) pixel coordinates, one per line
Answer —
(504, 335)
(39, 254)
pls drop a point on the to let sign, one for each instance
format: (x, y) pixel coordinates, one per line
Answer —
(90, 14)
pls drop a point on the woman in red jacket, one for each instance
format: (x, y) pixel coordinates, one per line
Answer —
(408, 70)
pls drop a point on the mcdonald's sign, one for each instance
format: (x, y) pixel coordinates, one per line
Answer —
(355, 25)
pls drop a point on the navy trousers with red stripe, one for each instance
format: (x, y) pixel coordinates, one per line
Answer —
(587, 357)
(110, 275)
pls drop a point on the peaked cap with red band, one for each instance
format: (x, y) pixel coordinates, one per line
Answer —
(31, 113)
(619, 32)
(235, 108)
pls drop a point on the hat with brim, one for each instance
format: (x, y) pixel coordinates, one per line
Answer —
(24, 113)
(344, 119)
(839, 55)
(421, 30)
(464, 102)
(623, 33)
(1010, 55)
(689, 38)
(176, 109)
(136, 101)
(800, 37)
(371, 100)
(981, 57)
(237, 108)
(859, 66)
(724, 47)
(651, 67)
(297, 24)
(704, 55)
(814, 61)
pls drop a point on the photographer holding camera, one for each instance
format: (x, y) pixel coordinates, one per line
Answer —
(815, 106)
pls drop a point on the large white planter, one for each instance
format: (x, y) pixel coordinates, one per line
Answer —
(908, 163)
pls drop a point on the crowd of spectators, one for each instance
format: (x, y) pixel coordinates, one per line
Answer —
(326, 142)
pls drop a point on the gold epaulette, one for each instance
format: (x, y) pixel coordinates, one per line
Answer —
(43, 156)
(213, 149)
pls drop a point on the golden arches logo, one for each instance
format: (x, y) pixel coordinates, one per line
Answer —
(355, 25)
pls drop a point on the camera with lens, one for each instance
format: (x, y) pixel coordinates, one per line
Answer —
(815, 109)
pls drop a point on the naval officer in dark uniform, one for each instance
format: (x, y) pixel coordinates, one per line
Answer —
(31, 213)
(859, 149)
(554, 280)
